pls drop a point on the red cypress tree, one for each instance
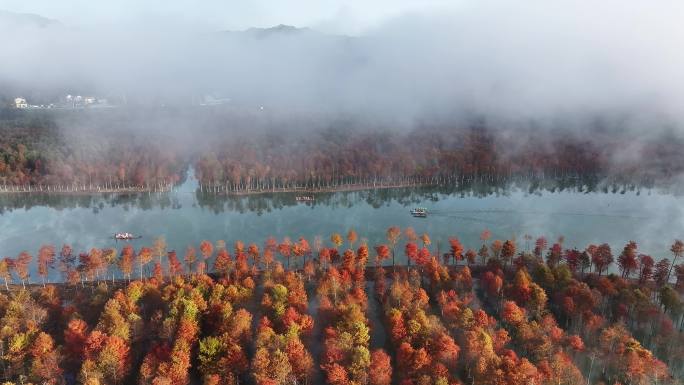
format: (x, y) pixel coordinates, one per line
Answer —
(380, 371)
(46, 258)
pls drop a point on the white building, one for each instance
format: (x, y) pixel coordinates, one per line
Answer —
(20, 103)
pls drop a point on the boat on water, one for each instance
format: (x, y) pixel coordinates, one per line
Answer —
(125, 236)
(305, 198)
(419, 212)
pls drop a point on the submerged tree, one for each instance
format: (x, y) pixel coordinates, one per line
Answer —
(393, 235)
(627, 261)
(22, 265)
(46, 259)
(6, 265)
(601, 257)
(160, 249)
(677, 251)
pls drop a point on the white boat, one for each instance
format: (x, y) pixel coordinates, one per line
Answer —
(420, 212)
(124, 236)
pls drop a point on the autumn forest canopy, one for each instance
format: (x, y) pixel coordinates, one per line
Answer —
(339, 311)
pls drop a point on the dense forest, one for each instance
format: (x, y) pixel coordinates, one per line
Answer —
(240, 153)
(36, 151)
(341, 312)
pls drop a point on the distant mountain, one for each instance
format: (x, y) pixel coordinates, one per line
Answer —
(25, 20)
(260, 66)
(283, 30)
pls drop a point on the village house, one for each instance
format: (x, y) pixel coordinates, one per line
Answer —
(20, 103)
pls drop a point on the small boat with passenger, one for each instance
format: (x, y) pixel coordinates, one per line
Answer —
(125, 236)
(419, 212)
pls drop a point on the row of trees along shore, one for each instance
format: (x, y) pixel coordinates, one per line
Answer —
(39, 156)
(323, 184)
(299, 312)
(425, 155)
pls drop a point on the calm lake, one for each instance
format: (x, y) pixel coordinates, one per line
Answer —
(185, 216)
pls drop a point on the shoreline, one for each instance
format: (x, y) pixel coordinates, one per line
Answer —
(220, 190)
(87, 191)
(306, 190)
(369, 271)
(142, 190)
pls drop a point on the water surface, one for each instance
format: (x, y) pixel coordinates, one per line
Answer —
(185, 216)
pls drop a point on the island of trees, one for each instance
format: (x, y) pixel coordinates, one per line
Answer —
(410, 311)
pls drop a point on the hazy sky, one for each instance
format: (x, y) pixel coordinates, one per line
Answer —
(518, 59)
(338, 16)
